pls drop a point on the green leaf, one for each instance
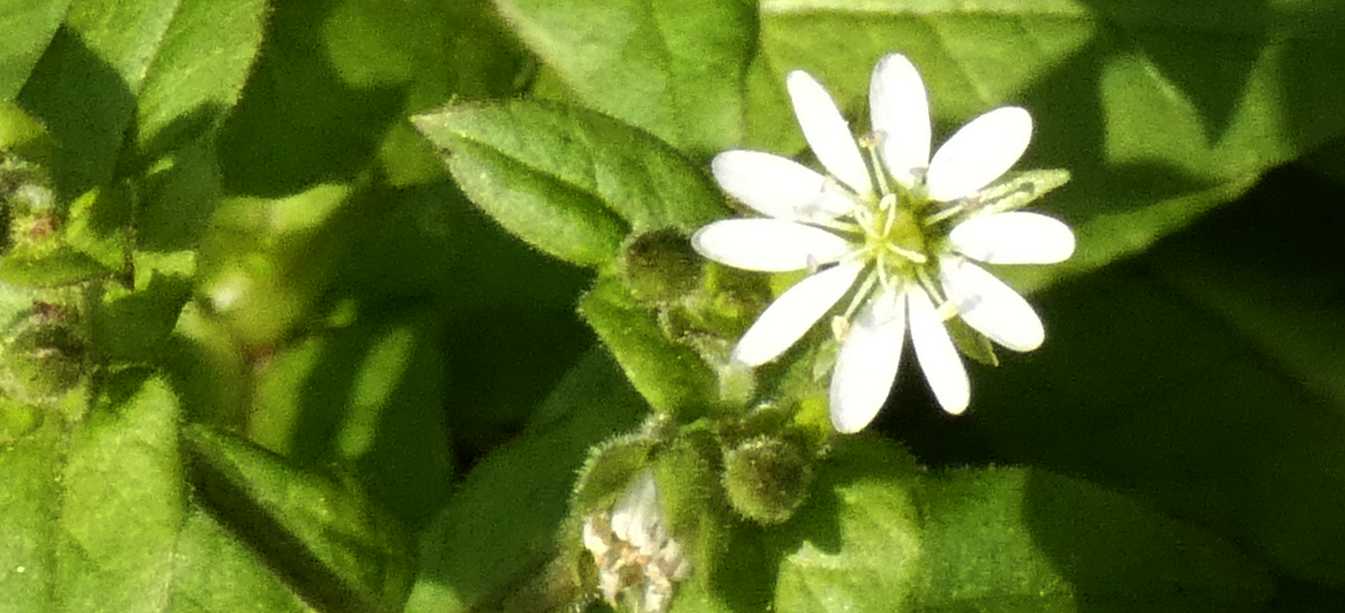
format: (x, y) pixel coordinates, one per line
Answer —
(519, 300)
(338, 78)
(28, 26)
(569, 181)
(199, 68)
(669, 375)
(100, 516)
(673, 68)
(343, 552)
(1213, 388)
(164, 71)
(498, 532)
(217, 574)
(1011, 538)
(881, 535)
(369, 397)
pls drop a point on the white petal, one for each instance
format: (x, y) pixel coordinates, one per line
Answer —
(867, 364)
(1013, 238)
(899, 108)
(990, 306)
(779, 187)
(636, 512)
(979, 153)
(594, 541)
(938, 358)
(768, 245)
(793, 313)
(827, 132)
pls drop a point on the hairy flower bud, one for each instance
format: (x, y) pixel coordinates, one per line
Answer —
(660, 266)
(767, 478)
(42, 354)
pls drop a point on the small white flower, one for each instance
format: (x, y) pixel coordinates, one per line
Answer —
(885, 225)
(638, 561)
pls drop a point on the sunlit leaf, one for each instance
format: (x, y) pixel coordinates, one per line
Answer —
(568, 181)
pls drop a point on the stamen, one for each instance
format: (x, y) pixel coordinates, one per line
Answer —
(870, 144)
(889, 204)
(944, 214)
(914, 256)
(833, 224)
(930, 289)
(864, 289)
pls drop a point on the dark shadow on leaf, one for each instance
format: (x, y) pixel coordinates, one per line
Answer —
(230, 502)
(298, 123)
(1179, 40)
(1146, 387)
(86, 107)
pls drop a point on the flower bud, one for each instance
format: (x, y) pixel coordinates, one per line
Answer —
(660, 266)
(767, 477)
(42, 354)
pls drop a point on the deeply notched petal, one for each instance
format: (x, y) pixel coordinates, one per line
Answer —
(827, 132)
(1013, 238)
(768, 245)
(937, 356)
(779, 187)
(990, 306)
(868, 361)
(979, 153)
(899, 108)
(786, 320)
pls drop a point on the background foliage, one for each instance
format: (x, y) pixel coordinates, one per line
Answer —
(324, 304)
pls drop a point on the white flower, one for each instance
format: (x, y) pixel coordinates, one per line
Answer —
(885, 225)
(637, 560)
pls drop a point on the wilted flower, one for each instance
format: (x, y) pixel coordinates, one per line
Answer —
(897, 233)
(638, 562)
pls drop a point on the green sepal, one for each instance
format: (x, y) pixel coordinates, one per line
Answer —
(670, 375)
(1018, 189)
(695, 514)
(971, 343)
(610, 466)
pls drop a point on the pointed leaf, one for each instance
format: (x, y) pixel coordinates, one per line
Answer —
(569, 181)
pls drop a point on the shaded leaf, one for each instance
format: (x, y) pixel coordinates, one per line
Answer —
(1213, 390)
(188, 58)
(369, 397)
(881, 535)
(472, 557)
(332, 90)
(266, 261)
